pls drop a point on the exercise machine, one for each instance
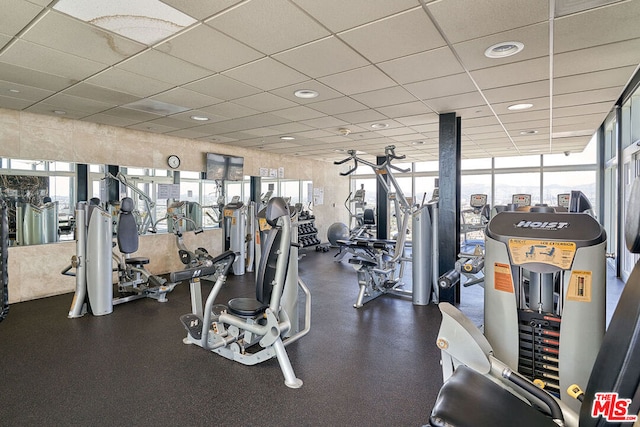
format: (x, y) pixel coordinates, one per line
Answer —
(178, 223)
(252, 330)
(235, 232)
(545, 276)
(484, 391)
(94, 259)
(380, 262)
(4, 259)
(144, 220)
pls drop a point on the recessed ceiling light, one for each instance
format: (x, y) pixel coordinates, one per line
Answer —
(418, 143)
(14, 91)
(287, 138)
(503, 49)
(518, 107)
(200, 118)
(59, 112)
(528, 132)
(339, 150)
(306, 93)
(379, 125)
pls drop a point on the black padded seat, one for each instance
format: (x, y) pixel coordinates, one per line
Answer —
(362, 262)
(469, 399)
(136, 261)
(246, 307)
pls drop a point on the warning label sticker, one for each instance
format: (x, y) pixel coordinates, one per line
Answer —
(558, 254)
(579, 286)
(502, 280)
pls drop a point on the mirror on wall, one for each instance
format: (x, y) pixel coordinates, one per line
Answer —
(40, 196)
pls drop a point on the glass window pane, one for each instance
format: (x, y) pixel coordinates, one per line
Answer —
(369, 186)
(586, 157)
(189, 175)
(474, 184)
(563, 182)
(468, 164)
(190, 191)
(61, 167)
(508, 184)
(517, 161)
(290, 189)
(27, 164)
(425, 184)
(426, 166)
(233, 189)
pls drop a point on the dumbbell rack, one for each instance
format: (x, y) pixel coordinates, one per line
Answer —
(307, 231)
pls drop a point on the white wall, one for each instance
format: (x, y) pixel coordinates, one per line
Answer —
(34, 271)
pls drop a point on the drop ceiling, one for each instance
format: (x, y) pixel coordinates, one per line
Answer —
(398, 63)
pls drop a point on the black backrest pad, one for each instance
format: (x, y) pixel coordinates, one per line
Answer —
(267, 269)
(127, 227)
(617, 366)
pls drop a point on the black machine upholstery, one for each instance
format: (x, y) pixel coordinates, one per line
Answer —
(127, 234)
(469, 399)
(466, 400)
(368, 217)
(266, 272)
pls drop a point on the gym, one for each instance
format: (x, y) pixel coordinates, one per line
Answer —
(293, 212)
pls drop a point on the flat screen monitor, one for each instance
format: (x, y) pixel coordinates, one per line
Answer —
(224, 167)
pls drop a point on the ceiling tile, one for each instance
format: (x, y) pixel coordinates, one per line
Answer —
(442, 86)
(186, 98)
(230, 110)
(596, 80)
(124, 81)
(62, 32)
(16, 14)
(534, 37)
(222, 87)
(324, 92)
(606, 25)
(337, 106)
(86, 90)
(14, 103)
(265, 102)
(36, 79)
(201, 9)
(360, 80)
(420, 66)
(311, 58)
(24, 92)
(512, 74)
(275, 25)
(222, 52)
(621, 54)
(408, 109)
(298, 113)
(383, 97)
(266, 74)
(518, 93)
(399, 35)
(39, 58)
(163, 67)
(353, 12)
(463, 20)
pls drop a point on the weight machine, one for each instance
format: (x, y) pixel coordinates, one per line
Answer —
(379, 262)
(248, 330)
(481, 389)
(94, 257)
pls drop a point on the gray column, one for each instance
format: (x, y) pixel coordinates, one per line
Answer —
(449, 203)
